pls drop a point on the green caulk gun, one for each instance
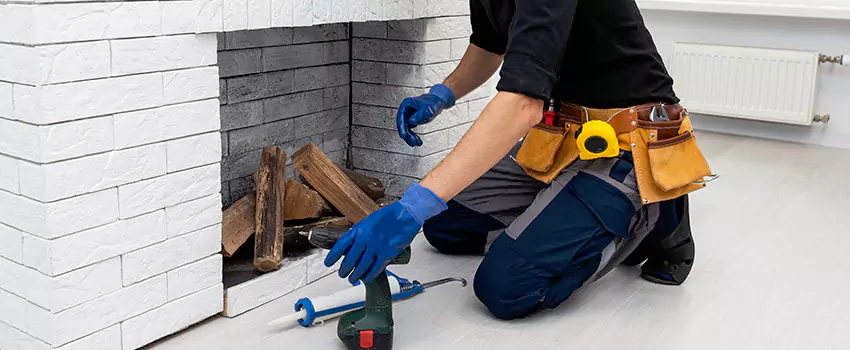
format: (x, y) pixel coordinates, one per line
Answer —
(365, 324)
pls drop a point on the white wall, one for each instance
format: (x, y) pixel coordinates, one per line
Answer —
(780, 2)
(821, 35)
(835, 9)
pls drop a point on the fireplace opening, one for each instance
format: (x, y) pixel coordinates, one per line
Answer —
(334, 88)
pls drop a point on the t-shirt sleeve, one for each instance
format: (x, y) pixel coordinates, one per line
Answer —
(484, 34)
(537, 41)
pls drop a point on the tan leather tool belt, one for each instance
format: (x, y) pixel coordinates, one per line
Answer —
(668, 163)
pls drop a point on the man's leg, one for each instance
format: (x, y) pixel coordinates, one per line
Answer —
(571, 233)
(491, 203)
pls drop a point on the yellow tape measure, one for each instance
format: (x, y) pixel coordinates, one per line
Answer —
(597, 139)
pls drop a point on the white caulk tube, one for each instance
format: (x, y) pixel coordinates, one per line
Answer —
(309, 311)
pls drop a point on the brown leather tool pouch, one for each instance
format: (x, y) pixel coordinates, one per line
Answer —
(564, 155)
(539, 147)
(668, 162)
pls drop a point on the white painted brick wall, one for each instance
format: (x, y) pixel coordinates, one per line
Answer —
(282, 11)
(132, 56)
(235, 14)
(303, 12)
(16, 63)
(117, 157)
(271, 286)
(22, 213)
(59, 293)
(6, 100)
(322, 11)
(96, 21)
(79, 213)
(76, 139)
(169, 190)
(77, 100)
(9, 175)
(26, 102)
(12, 338)
(193, 151)
(171, 254)
(61, 255)
(64, 179)
(175, 315)
(210, 13)
(164, 123)
(178, 17)
(17, 23)
(19, 140)
(194, 277)
(193, 215)
(189, 85)
(110, 309)
(459, 47)
(107, 339)
(27, 317)
(72, 62)
(11, 243)
(259, 14)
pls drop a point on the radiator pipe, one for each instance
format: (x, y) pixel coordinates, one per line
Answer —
(843, 60)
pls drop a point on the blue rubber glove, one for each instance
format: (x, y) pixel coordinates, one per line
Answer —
(415, 111)
(374, 241)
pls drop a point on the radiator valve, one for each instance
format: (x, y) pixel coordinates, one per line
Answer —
(843, 60)
(821, 118)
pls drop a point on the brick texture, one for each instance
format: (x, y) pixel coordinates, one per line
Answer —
(174, 315)
(171, 254)
(283, 87)
(102, 243)
(124, 127)
(398, 59)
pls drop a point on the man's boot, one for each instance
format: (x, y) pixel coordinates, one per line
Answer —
(670, 259)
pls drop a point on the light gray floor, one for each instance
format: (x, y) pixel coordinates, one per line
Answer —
(772, 272)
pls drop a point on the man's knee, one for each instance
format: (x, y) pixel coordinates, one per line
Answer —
(448, 242)
(459, 230)
(510, 286)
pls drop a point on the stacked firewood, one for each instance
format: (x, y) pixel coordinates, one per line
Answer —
(279, 212)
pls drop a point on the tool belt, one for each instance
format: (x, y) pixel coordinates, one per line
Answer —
(667, 161)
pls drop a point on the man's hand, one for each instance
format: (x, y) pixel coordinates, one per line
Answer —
(374, 241)
(415, 111)
(474, 69)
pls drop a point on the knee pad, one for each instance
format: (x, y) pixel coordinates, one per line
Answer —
(673, 261)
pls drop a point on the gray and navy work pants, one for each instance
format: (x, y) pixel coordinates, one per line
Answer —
(554, 238)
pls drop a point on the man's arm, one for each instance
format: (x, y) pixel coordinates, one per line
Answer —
(476, 66)
(538, 38)
(507, 118)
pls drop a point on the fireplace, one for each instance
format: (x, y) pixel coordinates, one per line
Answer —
(126, 128)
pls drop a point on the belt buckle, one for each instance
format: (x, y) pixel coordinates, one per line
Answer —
(655, 117)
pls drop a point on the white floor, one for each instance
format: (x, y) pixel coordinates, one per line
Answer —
(772, 272)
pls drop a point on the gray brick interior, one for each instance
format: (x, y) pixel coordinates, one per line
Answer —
(290, 86)
(283, 87)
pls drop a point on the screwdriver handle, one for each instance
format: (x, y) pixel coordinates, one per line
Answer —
(325, 237)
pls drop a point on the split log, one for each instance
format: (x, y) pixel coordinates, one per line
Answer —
(373, 187)
(271, 191)
(238, 224)
(296, 236)
(332, 183)
(303, 203)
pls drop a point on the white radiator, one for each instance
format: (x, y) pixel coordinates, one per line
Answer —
(748, 83)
